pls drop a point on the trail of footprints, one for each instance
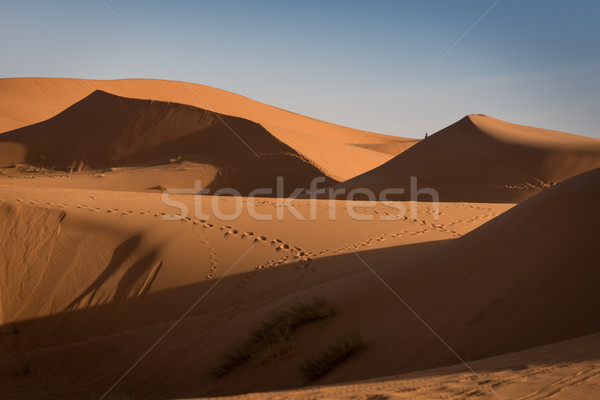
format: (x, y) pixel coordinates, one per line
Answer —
(427, 227)
(290, 253)
(296, 254)
(478, 388)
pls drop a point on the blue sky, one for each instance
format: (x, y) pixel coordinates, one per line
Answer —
(531, 62)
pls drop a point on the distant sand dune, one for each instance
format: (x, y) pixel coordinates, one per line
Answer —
(480, 158)
(105, 131)
(24, 101)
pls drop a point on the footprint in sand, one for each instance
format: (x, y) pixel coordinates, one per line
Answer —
(230, 233)
(282, 247)
(260, 239)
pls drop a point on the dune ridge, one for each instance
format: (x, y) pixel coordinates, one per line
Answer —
(480, 158)
(24, 101)
(106, 131)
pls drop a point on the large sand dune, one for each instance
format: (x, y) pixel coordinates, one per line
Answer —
(94, 249)
(524, 279)
(105, 131)
(93, 272)
(24, 101)
(520, 280)
(480, 158)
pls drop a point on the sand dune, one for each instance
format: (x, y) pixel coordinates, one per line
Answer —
(25, 101)
(521, 280)
(94, 272)
(566, 370)
(524, 279)
(104, 131)
(95, 249)
(528, 278)
(106, 272)
(480, 158)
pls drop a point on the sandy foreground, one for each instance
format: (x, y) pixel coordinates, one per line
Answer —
(566, 370)
(87, 311)
(492, 295)
(93, 330)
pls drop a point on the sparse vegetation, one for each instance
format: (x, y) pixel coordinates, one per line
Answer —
(335, 354)
(272, 339)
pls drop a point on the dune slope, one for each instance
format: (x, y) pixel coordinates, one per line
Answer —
(24, 101)
(524, 279)
(104, 131)
(480, 158)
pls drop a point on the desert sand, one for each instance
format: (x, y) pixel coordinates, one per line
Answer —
(25, 101)
(480, 158)
(490, 296)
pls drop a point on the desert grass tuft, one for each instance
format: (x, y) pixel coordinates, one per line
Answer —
(272, 339)
(334, 355)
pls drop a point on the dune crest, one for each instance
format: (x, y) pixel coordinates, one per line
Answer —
(25, 101)
(106, 131)
(480, 158)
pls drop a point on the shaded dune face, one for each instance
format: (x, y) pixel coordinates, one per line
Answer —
(524, 279)
(483, 159)
(25, 101)
(104, 131)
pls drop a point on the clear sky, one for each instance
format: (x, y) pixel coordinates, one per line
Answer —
(533, 62)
